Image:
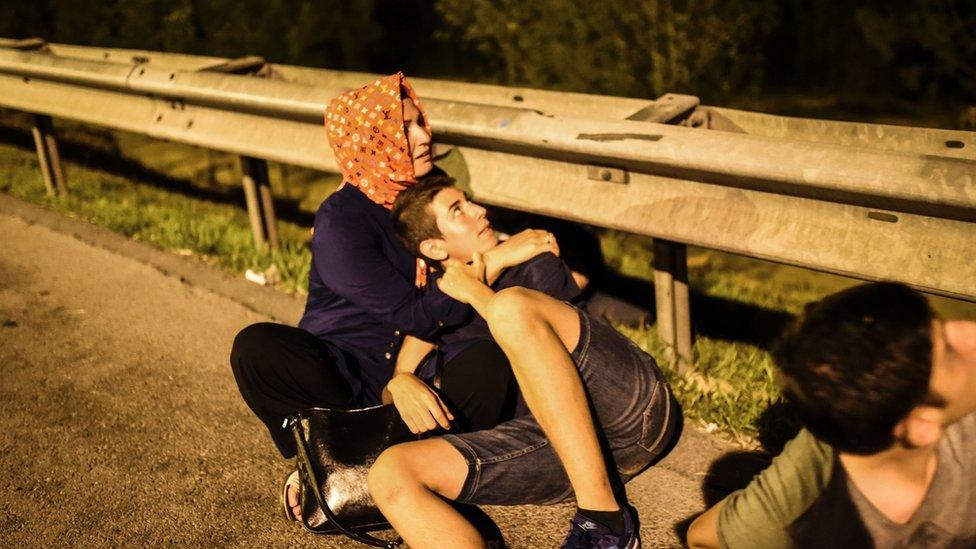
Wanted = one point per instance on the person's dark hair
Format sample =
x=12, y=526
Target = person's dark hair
x=413, y=220
x=856, y=362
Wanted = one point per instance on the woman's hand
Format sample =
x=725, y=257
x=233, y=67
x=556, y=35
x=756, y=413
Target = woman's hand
x=465, y=282
x=518, y=249
x=419, y=406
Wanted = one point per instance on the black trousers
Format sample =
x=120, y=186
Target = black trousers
x=282, y=369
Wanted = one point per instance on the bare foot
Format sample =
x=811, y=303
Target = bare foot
x=292, y=506
x=291, y=496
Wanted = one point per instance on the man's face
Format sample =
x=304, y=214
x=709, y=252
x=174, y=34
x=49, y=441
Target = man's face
x=954, y=367
x=418, y=138
x=463, y=225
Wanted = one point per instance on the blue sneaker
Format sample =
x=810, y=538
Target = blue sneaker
x=586, y=534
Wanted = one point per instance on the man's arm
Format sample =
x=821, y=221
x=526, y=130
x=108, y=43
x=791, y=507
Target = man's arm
x=517, y=250
x=466, y=283
x=419, y=406
x=703, y=533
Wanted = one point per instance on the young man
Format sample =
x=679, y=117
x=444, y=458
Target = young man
x=565, y=363
x=886, y=391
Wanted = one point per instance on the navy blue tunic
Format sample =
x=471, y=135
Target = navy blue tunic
x=361, y=294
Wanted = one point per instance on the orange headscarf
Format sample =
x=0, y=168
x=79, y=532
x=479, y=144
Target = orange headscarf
x=365, y=129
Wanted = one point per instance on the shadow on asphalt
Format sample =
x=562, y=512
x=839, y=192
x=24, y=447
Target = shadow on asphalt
x=727, y=474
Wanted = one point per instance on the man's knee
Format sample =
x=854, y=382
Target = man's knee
x=389, y=475
x=510, y=312
x=406, y=467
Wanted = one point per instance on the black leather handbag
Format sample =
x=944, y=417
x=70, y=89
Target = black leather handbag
x=336, y=448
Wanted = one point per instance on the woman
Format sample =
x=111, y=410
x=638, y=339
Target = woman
x=366, y=291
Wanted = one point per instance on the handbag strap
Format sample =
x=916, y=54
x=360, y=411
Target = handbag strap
x=361, y=537
x=438, y=367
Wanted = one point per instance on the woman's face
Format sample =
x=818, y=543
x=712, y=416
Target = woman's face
x=418, y=138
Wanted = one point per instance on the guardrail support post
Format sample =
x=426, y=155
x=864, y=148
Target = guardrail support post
x=671, y=297
x=47, y=154
x=260, y=207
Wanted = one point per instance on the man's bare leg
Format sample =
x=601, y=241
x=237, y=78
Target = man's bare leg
x=406, y=482
x=535, y=332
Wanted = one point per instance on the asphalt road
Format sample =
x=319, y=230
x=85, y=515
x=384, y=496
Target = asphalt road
x=120, y=423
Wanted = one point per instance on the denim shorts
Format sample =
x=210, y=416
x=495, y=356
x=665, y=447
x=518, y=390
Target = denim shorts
x=514, y=464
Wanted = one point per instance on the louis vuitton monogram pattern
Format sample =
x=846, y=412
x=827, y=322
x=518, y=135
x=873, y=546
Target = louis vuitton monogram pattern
x=365, y=129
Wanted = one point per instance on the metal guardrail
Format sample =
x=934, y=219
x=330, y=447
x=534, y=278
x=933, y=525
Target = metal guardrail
x=862, y=200
x=575, y=105
x=902, y=181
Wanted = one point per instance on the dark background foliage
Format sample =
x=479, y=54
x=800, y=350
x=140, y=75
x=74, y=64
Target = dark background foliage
x=722, y=50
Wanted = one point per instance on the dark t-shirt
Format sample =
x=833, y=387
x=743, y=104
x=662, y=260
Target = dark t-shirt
x=545, y=273
x=805, y=499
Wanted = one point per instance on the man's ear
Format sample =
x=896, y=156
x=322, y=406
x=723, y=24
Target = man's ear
x=921, y=427
x=434, y=248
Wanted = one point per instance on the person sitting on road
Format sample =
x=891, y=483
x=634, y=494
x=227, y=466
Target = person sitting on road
x=886, y=391
x=564, y=362
x=365, y=291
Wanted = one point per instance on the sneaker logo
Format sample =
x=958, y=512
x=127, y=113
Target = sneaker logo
x=589, y=525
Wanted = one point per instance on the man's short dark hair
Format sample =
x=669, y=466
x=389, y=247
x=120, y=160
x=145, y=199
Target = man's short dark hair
x=857, y=362
x=413, y=220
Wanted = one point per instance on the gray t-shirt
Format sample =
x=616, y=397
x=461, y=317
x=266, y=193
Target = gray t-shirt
x=805, y=499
